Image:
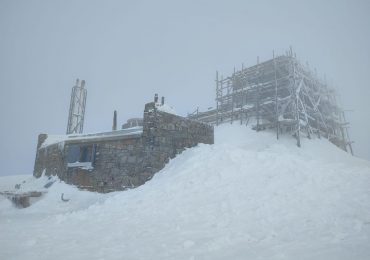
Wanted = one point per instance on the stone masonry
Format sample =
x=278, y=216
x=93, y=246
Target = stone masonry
x=124, y=161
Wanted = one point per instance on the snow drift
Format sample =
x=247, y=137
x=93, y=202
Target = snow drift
x=247, y=196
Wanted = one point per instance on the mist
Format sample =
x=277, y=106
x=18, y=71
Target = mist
x=128, y=50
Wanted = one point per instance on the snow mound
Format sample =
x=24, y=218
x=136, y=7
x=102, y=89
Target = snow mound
x=166, y=108
x=248, y=196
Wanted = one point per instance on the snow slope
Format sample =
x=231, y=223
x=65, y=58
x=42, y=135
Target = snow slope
x=246, y=197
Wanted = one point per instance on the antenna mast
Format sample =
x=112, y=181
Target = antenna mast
x=77, y=108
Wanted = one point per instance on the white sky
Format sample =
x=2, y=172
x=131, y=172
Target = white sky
x=129, y=50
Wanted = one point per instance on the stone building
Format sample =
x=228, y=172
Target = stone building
x=120, y=159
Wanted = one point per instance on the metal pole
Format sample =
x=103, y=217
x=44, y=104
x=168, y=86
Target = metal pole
x=258, y=96
x=114, y=127
x=217, y=99
x=298, y=130
x=276, y=99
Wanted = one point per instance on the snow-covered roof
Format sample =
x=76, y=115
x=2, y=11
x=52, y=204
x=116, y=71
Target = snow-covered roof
x=118, y=134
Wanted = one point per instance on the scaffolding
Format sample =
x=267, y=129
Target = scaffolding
x=280, y=94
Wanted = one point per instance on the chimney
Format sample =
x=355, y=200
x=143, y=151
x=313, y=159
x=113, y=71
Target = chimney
x=114, y=127
x=162, y=101
x=156, y=98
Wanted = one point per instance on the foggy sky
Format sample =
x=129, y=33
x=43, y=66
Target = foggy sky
x=129, y=50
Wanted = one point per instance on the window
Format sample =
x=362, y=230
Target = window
x=82, y=156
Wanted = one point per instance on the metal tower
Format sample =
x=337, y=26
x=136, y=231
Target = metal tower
x=77, y=108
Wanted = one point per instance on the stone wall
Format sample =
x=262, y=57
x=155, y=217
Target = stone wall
x=125, y=161
x=165, y=135
x=49, y=159
x=118, y=165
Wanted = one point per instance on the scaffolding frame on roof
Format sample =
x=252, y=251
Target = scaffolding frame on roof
x=280, y=94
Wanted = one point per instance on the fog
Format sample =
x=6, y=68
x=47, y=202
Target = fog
x=129, y=50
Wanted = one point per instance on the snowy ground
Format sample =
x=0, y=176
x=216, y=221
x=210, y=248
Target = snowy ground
x=246, y=197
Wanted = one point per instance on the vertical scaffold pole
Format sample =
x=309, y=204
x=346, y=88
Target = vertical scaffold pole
x=217, y=98
x=347, y=134
x=221, y=93
x=231, y=87
x=276, y=98
x=242, y=97
x=258, y=95
x=296, y=100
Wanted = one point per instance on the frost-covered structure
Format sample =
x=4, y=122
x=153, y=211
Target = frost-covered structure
x=76, y=115
x=120, y=159
x=280, y=94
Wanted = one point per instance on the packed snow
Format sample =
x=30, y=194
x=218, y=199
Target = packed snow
x=166, y=108
x=248, y=196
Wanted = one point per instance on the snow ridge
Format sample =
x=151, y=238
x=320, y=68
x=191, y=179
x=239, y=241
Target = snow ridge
x=248, y=196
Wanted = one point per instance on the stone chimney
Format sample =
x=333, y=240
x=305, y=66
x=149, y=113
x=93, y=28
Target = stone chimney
x=114, y=127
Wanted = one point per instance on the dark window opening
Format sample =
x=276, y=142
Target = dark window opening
x=81, y=154
x=86, y=154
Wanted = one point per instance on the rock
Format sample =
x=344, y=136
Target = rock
x=48, y=185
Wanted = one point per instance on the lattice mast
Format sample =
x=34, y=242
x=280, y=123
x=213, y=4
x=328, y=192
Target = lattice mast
x=77, y=108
